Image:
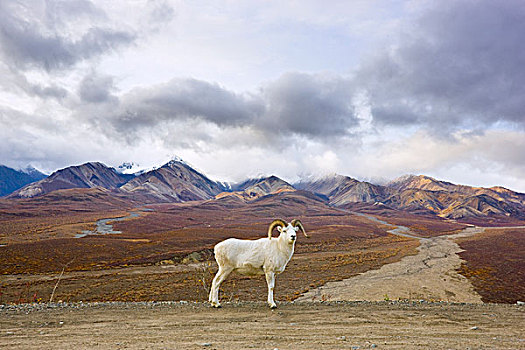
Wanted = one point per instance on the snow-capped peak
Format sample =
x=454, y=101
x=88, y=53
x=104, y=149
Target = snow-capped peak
x=177, y=159
x=132, y=168
x=31, y=170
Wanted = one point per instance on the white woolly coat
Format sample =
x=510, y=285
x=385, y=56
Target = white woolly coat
x=254, y=257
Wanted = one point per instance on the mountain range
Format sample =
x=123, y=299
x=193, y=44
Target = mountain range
x=176, y=181
x=88, y=175
x=11, y=179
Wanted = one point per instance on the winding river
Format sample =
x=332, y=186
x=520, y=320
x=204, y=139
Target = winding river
x=103, y=226
x=397, y=229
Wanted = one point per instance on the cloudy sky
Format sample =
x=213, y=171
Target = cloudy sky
x=369, y=89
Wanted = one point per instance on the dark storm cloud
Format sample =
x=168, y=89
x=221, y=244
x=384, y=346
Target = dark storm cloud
x=395, y=114
x=183, y=99
x=49, y=91
x=457, y=66
x=16, y=82
x=295, y=104
x=12, y=119
x=460, y=65
x=96, y=88
x=29, y=36
x=311, y=105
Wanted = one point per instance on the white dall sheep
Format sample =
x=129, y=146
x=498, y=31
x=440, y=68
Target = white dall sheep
x=267, y=256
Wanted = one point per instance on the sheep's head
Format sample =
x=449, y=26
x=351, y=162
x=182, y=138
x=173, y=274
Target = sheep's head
x=288, y=231
x=299, y=226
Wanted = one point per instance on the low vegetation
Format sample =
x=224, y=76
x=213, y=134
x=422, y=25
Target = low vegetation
x=152, y=258
x=495, y=264
x=149, y=260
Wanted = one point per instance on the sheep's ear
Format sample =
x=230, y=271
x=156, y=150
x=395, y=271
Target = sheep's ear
x=280, y=229
x=296, y=228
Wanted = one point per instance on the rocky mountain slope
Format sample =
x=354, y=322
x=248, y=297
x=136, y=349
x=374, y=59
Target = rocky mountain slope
x=252, y=189
x=341, y=190
x=428, y=183
x=88, y=175
x=11, y=179
x=421, y=194
x=255, y=188
x=175, y=181
x=454, y=201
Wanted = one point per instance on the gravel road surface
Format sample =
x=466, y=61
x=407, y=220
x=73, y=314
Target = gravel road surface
x=299, y=325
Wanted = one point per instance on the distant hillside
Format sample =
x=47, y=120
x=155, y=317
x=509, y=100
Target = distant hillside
x=454, y=201
x=341, y=190
x=252, y=189
x=175, y=181
x=428, y=183
x=88, y=175
x=422, y=194
x=255, y=188
x=421, y=182
x=11, y=179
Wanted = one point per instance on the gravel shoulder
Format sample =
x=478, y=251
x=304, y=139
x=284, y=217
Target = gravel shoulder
x=299, y=325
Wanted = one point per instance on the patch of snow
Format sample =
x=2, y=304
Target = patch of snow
x=132, y=168
x=30, y=170
x=226, y=185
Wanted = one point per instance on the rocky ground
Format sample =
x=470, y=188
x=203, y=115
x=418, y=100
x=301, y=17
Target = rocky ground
x=299, y=325
x=429, y=275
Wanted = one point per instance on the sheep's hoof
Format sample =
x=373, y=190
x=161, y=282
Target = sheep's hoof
x=273, y=306
x=216, y=305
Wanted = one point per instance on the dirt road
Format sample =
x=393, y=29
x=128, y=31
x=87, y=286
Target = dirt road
x=344, y=325
x=429, y=275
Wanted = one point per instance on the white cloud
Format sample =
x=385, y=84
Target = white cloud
x=486, y=159
x=327, y=163
x=240, y=88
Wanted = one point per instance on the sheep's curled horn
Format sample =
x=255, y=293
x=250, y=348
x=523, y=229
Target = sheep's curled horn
x=297, y=223
x=279, y=222
x=275, y=223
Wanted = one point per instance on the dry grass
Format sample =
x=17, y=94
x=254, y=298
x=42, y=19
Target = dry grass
x=495, y=264
x=341, y=246
x=189, y=281
x=126, y=266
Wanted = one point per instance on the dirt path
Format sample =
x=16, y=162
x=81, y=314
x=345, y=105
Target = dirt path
x=346, y=325
x=429, y=275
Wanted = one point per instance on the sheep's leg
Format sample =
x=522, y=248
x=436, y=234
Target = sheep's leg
x=270, y=280
x=217, y=280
